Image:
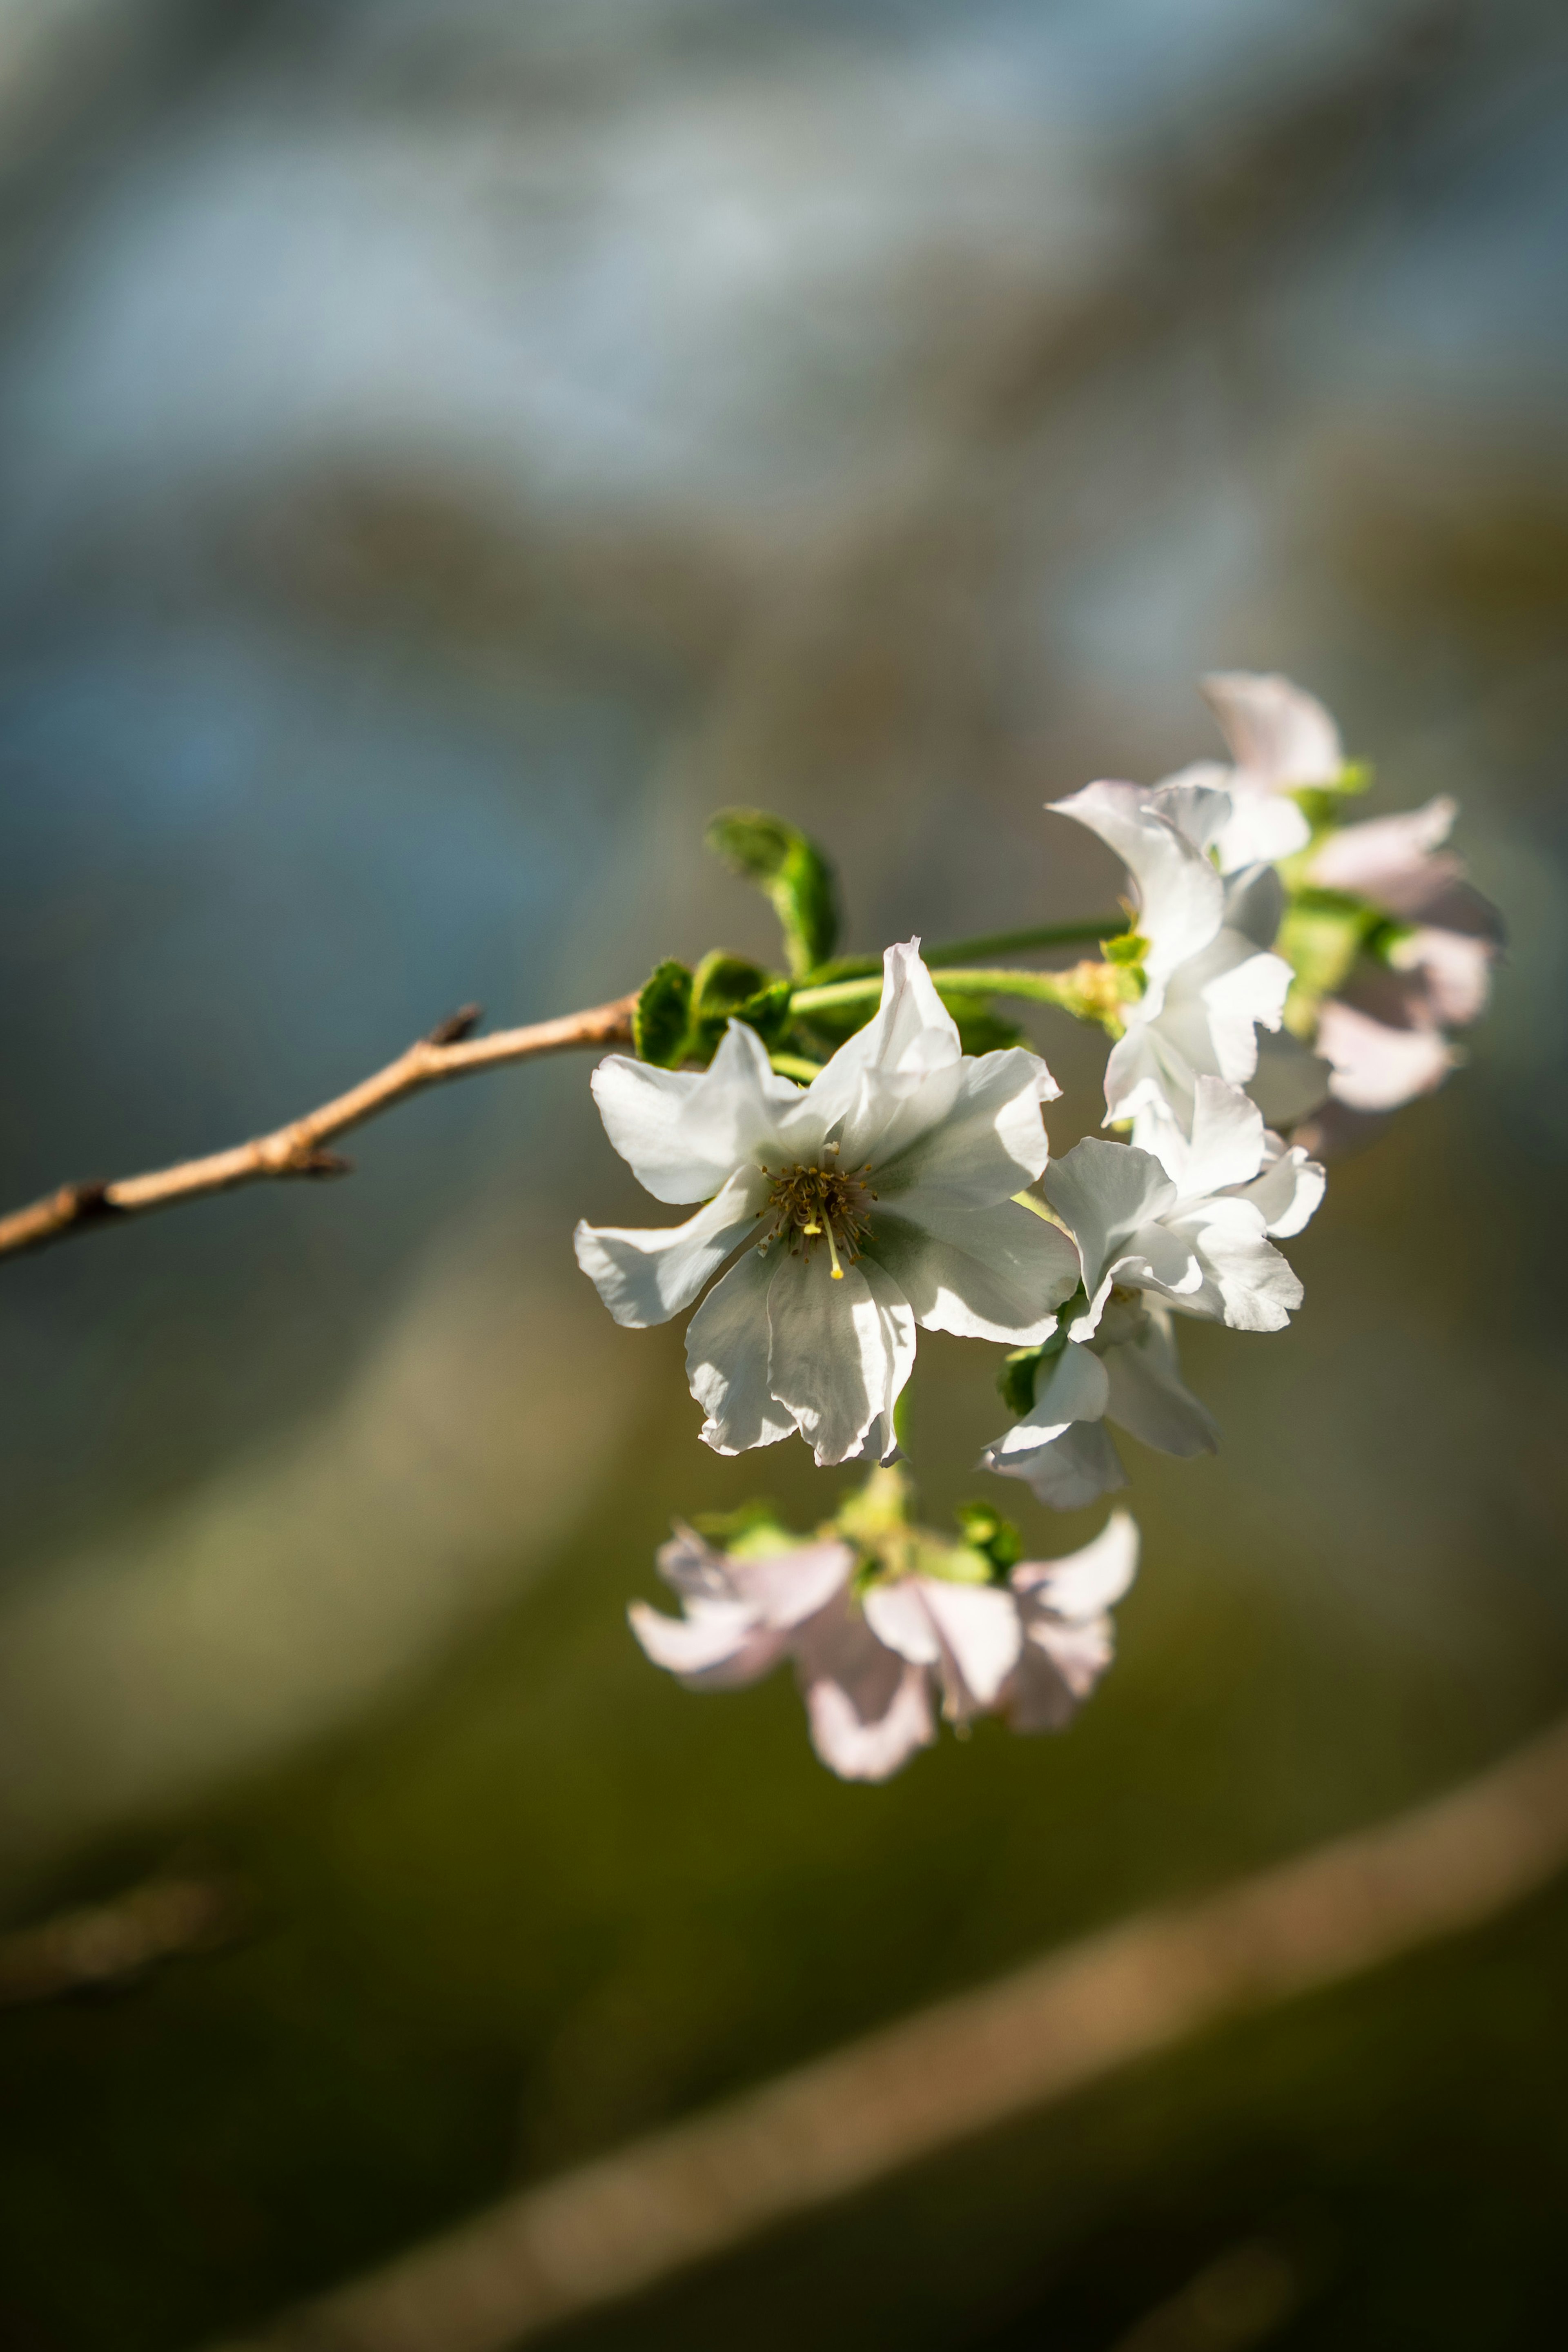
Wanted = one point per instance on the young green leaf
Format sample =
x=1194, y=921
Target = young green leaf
x=792, y=872
x=662, y=1021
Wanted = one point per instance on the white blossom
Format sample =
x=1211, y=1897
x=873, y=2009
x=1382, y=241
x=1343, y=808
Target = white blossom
x=1185, y=1226
x=1211, y=979
x=1281, y=738
x=872, y=1670
x=876, y=1198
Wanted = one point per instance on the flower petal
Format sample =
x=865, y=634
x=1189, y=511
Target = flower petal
x=1076, y=1468
x=868, y=1708
x=1279, y=735
x=683, y=1132
x=1148, y=1399
x=1180, y=895
x=985, y=1274
x=1375, y=1067
x=645, y=1277
x=1103, y=1191
x=1079, y=1586
x=785, y=1588
x=985, y=1142
x=980, y=1638
x=726, y=1361
x=720, y=1650
x=1069, y=1387
x=840, y=1350
x=910, y=1035
x=1391, y=860
x=1060, y=1667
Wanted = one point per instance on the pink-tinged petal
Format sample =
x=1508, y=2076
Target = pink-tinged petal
x=864, y=1741
x=1103, y=1191
x=1375, y=1067
x=1083, y=1584
x=1147, y=1397
x=1454, y=973
x=981, y=1637
x=645, y=1277
x=1076, y=1468
x=684, y=1132
x=840, y=1350
x=720, y=1650
x=1279, y=735
x=694, y=1568
x=726, y=1361
x=897, y=1616
x=785, y=1588
x=984, y=1273
x=1060, y=1667
x=1391, y=860
x=1180, y=895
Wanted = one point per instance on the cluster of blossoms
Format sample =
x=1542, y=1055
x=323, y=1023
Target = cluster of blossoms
x=1284, y=981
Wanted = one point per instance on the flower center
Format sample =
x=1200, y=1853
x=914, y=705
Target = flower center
x=819, y=1202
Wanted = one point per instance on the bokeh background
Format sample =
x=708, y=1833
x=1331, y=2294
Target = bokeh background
x=447, y=447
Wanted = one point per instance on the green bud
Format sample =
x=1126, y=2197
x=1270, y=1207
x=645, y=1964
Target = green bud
x=662, y=1021
x=754, y=1530
x=1127, y=948
x=794, y=873
x=987, y=1532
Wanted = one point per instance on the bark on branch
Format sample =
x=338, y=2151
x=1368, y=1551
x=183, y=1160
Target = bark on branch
x=450, y=1051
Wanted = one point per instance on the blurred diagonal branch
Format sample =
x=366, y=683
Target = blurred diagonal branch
x=620, y=2225
x=104, y=1944
x=299, y=1149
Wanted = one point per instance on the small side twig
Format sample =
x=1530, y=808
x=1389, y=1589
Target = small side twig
x=450, y=1051
x=105, y=1944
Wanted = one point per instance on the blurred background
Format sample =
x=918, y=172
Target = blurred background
x=447, y=448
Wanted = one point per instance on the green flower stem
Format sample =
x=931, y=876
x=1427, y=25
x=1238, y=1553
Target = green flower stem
x=1054, y=935
x=796, y=1066
x=1041, y=987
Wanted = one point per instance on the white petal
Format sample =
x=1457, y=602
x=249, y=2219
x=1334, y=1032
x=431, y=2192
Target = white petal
x=1227, y=1140
x=1068, y=1387
x=980, y=1638
x=1148, y=1401
x=646, y=1276
x=1375, y=1067
x=726, y=1361
x=1263, y=824
x=1455, y=973
x=911, y=1033
x=683, y=1132
x=718, y=1650
x=840, y=1350
x=1103, y=1191
x=1180, y=895
x=1081, y=1585
x=1289, y=1190
x=1278, y=734
x=1197, y=802
x=1391, y=859
x=1248, y=1283
x=1076, y=1468
x=987, y=1141
x=1255, y=904
x=984, y=1273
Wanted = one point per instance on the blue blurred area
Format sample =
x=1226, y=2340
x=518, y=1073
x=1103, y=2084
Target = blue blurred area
x=444, y=452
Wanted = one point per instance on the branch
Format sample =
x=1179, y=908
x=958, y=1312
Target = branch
x=298, y=1150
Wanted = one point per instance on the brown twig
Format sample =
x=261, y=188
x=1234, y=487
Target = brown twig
x=450, y=1051
x=627, y=2221
x=106, y=1944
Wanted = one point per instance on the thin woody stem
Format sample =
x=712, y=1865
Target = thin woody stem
x=299, y=1149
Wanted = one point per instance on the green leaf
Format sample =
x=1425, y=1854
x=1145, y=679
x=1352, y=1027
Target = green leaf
x=727, y=988
x=986, y=1532
x=662, y=1022
x=792, y=872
